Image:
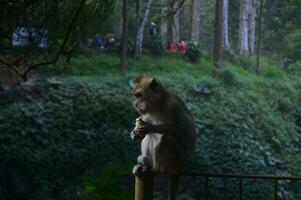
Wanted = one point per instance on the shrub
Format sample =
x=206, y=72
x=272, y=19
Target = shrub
x=193, y=53
x=61, y=132
x=107, y=184
x=293, y=46
x=157, y=47
x=130, y=50
x=229, y=77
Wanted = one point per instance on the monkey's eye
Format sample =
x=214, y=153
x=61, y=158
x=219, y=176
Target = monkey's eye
x=138, y=95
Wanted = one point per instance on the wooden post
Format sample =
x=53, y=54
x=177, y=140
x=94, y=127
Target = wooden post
x=239, y=189
x=275, y=189
x=144, y=187
x=206, y=190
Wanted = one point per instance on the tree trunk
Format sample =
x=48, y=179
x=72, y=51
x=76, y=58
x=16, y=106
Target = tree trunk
x=138, y=13
x=125, y=35
x=252, y=25
x=164, y=25
x=176, y=25
x=225, y=25
x=141, y=26
x=195, y=20
x=218, y=37
x=258, y=50
x=243, y=46
x=139, y=4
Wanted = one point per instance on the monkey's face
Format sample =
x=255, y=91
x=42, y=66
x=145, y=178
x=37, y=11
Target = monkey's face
x=147, y=95
x=140, y=103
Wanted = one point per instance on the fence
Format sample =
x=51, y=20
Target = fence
x=144, y=185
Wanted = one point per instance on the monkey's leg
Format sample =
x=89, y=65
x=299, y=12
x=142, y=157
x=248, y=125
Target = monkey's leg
x=173, y=186
x=144, y=165
x=144, y=161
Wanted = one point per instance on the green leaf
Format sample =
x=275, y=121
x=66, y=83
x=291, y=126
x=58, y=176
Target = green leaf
x=89, y=188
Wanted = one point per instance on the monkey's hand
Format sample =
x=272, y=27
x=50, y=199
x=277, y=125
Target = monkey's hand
x=142, y=128
x=135, y=135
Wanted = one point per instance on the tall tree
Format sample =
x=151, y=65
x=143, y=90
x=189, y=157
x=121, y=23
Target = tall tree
x=141, y=26
x=176, y=23
x=218, y=37
x=258, y=50
x=195, y=20
x=124, y=45
x=243, y=43
x=164, y=24
x=251, y=25
x=225, y=25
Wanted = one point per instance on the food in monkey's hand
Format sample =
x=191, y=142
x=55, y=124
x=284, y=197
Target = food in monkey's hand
x=136, y=134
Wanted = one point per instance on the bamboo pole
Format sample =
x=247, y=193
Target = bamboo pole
x=144, y=187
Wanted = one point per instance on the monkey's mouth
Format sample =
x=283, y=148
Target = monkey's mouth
x=141, y=111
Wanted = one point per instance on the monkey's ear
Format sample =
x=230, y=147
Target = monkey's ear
x=154, y=84
x=138, y=79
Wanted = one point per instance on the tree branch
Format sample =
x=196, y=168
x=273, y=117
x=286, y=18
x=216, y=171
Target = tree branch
x=61, y=50
x=10, y=66
x=172, y=9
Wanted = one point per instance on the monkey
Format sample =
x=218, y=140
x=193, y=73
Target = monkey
x=165, y=128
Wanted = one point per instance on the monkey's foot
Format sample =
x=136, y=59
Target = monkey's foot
x=145, y=161
x=140, y=170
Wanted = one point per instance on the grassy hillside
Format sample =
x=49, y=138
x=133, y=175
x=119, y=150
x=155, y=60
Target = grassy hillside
x=99, y=63
x=80, y=119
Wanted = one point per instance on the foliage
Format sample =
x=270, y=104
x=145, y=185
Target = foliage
x=47, y=132
x=156, y=47
x=229, y=77
x=293, y=46
x=193, y=53
x=106, y=185
x=283, y=20
x=130, y=50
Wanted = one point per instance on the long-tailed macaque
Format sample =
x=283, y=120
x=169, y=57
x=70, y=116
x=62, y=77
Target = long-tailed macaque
x=166, y=130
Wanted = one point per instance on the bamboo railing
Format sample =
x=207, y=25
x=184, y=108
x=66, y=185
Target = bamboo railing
x=144, y=185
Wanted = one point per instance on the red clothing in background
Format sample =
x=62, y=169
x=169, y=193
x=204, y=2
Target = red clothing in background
x=182, y=46
x=171, y=47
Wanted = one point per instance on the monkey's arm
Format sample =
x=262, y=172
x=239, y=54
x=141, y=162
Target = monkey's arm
x=172, y=130
x=168, y=129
